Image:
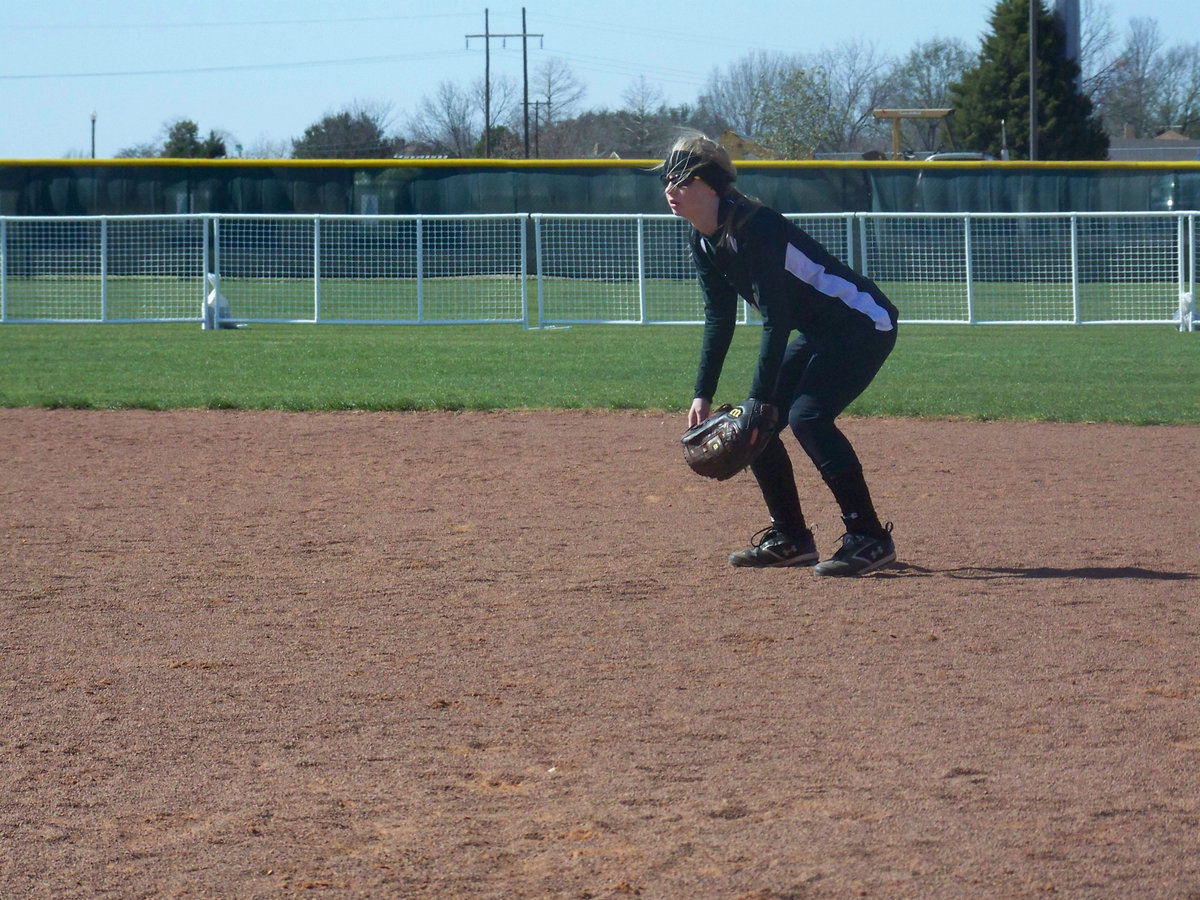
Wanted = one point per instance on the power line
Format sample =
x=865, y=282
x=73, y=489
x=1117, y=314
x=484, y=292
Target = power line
x=676, y=75
x=247, y=67
x=157, y=26
x=674, y=35
x=487, y=77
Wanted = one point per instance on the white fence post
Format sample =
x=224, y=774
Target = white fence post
x=1187, y=279
x=641, y=268
x=524, y=273
x=420, y=270
x=1078, y=313
x=103, y=269
x=537, y=262
x=968, y=262
x=316, y=268
x=207, y=265
x=3, y=270
x=1193, y=247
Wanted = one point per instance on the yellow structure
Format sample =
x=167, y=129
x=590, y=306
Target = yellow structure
x=898, y=115
x=739, y=147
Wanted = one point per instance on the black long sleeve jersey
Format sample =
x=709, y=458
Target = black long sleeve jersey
x=793, y=281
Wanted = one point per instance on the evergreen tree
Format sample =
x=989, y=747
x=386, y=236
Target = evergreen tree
x=996, y=91
x=351, y=133
x=184, y=142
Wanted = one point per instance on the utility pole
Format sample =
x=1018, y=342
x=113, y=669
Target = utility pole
x=487, y=83
x=525, y=78
x=537, y=129
x=1033, y=104
x=487, y=36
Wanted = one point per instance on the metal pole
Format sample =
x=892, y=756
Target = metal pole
x=93, y=135
x=1033, y=104
x=487, y=88
x=487, y=101
x=525, y=64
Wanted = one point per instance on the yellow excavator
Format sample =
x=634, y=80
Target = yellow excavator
x=739, y=147
x=898, y=115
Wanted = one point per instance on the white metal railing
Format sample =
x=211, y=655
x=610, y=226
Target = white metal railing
x=1034, y=268
x=330, y=269
x=225, y=269
x=938, y=268
x=600, y=268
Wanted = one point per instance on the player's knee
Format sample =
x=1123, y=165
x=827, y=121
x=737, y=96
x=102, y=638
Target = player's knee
x=817, y=433
x=805, y=421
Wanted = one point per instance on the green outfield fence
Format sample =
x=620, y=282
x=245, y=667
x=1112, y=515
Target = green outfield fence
x=550, y=269
x=123, y=187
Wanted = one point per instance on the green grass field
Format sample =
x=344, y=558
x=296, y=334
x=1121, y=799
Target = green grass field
x=1115, y=373
x=498, y=298
x=279, y=299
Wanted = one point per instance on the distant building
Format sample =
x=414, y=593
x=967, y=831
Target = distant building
x=1170, y=146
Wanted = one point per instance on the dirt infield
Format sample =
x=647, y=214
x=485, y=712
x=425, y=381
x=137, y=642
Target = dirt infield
x=502, y=655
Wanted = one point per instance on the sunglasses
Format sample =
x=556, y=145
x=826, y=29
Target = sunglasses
x=677, y=180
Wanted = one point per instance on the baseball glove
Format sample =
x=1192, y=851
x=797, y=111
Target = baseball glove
x=730, y=439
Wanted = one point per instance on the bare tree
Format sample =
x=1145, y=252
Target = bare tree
x=1129, y=101
x=741, y=98
x=1097, y=49
x=556, y=90
x=266, y=148
x=642, y=119
x=554, y=93
x=1143, y=86
x=501, y=104
x=505, y=98
x=800, y=120
x=852, y=74
x=797, y=105
x=448, y=121
x=589, y=135
x=139, y=151
x=1179, y=98
x=921, y=80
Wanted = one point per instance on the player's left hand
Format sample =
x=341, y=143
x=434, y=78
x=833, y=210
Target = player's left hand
x=731, y=439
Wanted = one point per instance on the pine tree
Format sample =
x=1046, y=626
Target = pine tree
x=351, y=133
x=184, y=142
x=992, y=99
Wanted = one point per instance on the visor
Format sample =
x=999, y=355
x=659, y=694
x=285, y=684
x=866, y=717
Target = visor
x=683, y=164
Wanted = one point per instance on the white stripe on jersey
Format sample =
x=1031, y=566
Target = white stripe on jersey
x=814, y=273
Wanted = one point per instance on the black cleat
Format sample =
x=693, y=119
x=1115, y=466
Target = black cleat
x=773, y=548
x=860, y=554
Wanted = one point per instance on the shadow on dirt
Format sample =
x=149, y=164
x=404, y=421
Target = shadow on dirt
x=1088, y=573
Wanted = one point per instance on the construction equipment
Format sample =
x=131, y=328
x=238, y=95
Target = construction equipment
x=898, y=115
x=739, y=147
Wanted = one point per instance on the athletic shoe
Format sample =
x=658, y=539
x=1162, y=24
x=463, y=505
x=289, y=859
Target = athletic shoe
x=772, y=548
x=860, y=554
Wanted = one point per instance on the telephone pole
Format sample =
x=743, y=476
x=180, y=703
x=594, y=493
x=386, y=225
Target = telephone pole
x=487, y=36
x=1033, y=75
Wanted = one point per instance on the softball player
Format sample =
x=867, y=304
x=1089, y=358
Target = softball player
x=844, y=330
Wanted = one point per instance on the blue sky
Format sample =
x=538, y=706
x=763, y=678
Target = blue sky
x=264, y=71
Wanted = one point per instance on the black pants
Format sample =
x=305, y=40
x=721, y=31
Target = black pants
x=817, y=381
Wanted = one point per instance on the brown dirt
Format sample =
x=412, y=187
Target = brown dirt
x=502, y=655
